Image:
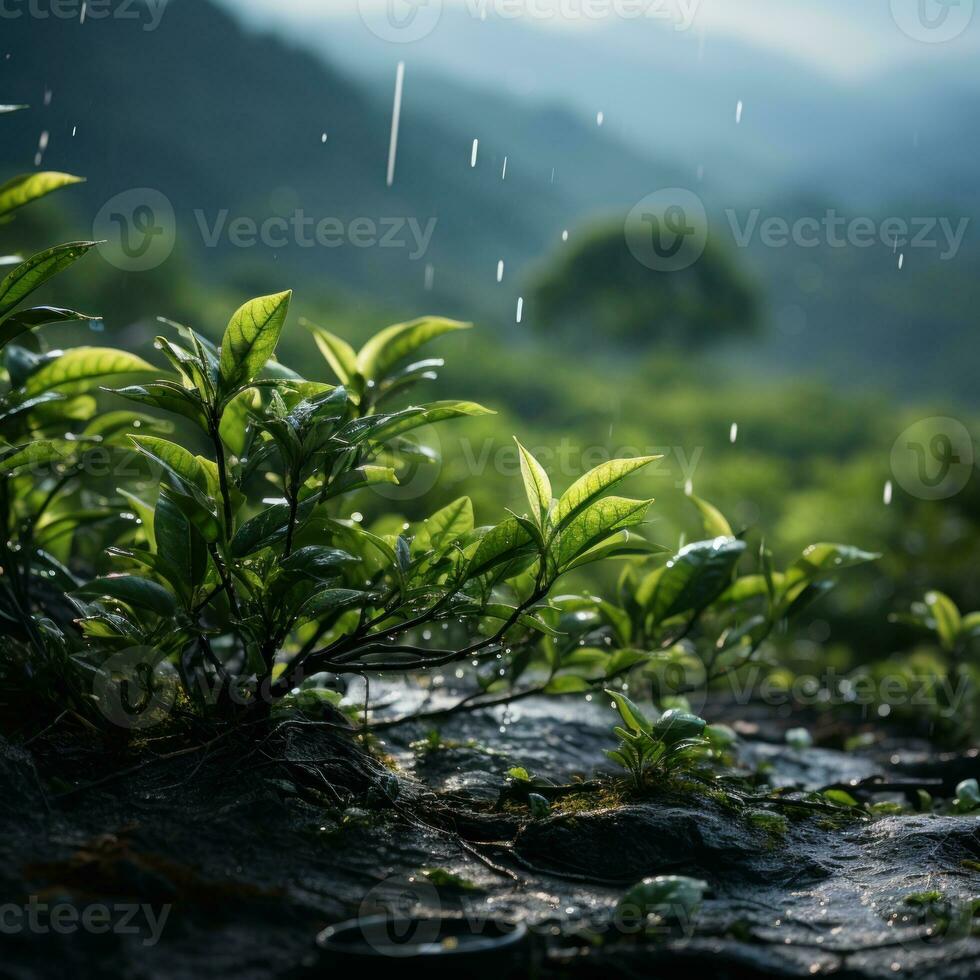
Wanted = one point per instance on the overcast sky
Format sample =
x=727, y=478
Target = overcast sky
x=838, y=36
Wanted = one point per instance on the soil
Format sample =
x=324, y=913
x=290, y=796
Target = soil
x=250, y=846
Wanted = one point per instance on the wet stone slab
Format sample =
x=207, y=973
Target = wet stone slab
x=253, y=866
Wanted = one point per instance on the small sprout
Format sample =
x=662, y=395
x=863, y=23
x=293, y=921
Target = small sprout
x=799, y=739
x=441, y=878
x=669, y=897
x=967, y=796
x=519, y=774
x=886, y=808
x=773, y=823
x=720, y=736
x=924, y=898
x=675, y=726
x=841, y=797
x=540, y=807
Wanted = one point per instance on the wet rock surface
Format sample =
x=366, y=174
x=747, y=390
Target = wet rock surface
x=252, y=859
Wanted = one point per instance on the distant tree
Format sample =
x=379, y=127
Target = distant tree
x=603, y=287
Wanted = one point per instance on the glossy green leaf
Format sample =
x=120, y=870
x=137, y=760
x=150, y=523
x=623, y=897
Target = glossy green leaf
x=947, y=618
x=506, y=541
x=438, y=532
x=179, y=544
x=595, y=483
x=141, y=593
x=632, y=716
x=695, y=577
x=251, y=338
x=537, y=486
x=596, y=522
x=715, y=524
x=39, y=453
x=337, y=353
x=23, y=279
x=81, y=367
x=391, y=345
x=21, y=190
x=169, y=397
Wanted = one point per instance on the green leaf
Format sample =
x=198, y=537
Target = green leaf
x=331, y=601
x=695, y=577
x=592, y=525
x=141, y=593
x=358, y=479
x=38, y=316
x=403, y=422
x=338, y=353
x=596, y=482
x=567, y=684
x=947, y=618
x=971, y=624
x=177, y=461
x=822, y=558
x=251, y=338
x=189, y=477
x=633, y=718
x=38, y=453
x=169, y=397
x=79, y=368
x=438, y=532
x=537, y=486
x=715, y=524
x=506, y=541
x=25, y=188
x=37, y=270
x=388, y=347
x=179, y=544
x=267, y=527
x=143, y=511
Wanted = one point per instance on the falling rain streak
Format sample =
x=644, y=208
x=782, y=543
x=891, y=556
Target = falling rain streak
x=396, y=115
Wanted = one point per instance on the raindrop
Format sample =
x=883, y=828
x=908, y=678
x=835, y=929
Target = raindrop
x=357, y=517
x=430, y=276
x=901, y=260
x=733, y=433
x=738, y=112
x=474, y=152
x=396, y=113
x=323, y=137
x=564, y=235
x=500, y=270
x=520, y=308
x=888, y=493
x=503, y=173
x=600, y=118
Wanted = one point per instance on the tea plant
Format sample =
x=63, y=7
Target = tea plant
x=668, y=745
x=248, y=595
